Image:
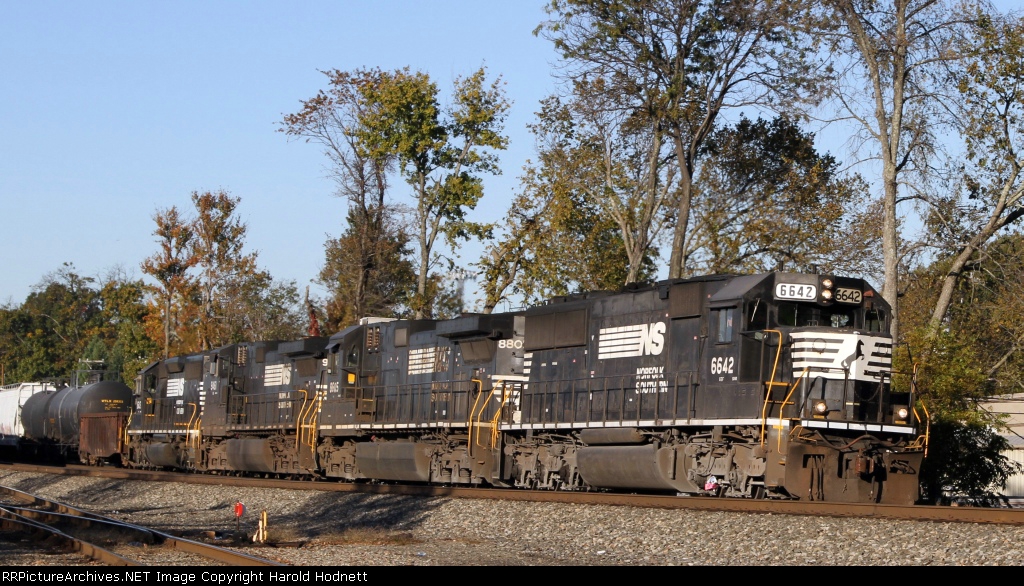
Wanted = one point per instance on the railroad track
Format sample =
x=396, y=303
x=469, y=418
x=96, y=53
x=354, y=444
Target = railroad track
x=108, y=541
x=1001, y=516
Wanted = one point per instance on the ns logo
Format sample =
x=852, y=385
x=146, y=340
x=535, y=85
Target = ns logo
x=631, y=341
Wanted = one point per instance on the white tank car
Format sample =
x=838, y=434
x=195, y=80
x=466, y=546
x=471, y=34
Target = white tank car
x=12, y=398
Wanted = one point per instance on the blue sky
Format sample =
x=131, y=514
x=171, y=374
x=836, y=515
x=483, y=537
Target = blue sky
x=110, y=110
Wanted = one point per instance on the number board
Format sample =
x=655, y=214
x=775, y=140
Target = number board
x=796, y=291
x=849, y=295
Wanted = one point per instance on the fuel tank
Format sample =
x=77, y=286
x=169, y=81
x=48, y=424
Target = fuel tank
x=646, y=466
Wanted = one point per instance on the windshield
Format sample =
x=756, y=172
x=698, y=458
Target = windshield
x=807, y=314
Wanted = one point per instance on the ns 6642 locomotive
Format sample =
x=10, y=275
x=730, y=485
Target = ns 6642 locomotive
x=775, y=385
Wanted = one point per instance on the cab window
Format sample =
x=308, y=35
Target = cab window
x=757, y=315
x=724, y=320
x=874, y=320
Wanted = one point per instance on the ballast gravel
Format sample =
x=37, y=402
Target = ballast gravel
x=310, y=528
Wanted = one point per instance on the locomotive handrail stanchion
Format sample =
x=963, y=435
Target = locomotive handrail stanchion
x=785, y=401
x=927, y=425
x=480, y=414
x=479, y=393
x=300, y=420
x=770, y=385
x=188, y=428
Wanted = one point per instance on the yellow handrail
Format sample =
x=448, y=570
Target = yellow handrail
x=298, y=420
x=927, y=425
x=495, y=432
x=479, y=393
x=127, y=425
x=770, y=383
x=786, y=400
x=191, y=418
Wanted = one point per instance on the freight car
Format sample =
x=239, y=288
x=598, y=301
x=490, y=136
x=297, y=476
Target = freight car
x=53, y=421
x=776, y=385
x=12, y=398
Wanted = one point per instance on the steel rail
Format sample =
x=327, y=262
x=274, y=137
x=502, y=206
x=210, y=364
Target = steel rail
x=53, y=511
x=952, y=514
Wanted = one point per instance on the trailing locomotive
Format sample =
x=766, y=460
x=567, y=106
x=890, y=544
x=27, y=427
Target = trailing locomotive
x=776, y=385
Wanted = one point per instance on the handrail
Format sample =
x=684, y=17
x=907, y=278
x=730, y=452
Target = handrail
x=770, y=383
x=782, y=407
x=315, y=414
x=927, y=425
x=506, y=394
x=188, y=426
x=298, y=420
x=127, y=426
x=479, y=393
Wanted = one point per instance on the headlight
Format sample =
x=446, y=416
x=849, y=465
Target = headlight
x=902, y=413
x=826, y=294
x=826, y=283
x=820, y=408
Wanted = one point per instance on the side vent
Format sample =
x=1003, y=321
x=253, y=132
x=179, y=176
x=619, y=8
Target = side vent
x=556, y=330
x=686, y=300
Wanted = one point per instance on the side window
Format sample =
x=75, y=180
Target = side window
x=875, y=320
x=724, y=320
x=757, y=315
x=352, y=358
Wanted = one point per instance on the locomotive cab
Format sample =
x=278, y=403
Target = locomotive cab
x=825, y=337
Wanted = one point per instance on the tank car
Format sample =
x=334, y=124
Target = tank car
x=52, y=419
x=12, y=399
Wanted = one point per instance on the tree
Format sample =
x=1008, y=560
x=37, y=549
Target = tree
x=440, y=155
x=607, y=150
x=366, y=270
x=128, y=348
x=974, y=356
x=367, y=276
x=769, y=201
x=49, y=333
x=688, y=62
x=559, y=240
x=991, y=120
x=217, y=247
x=257, y=307
x=891, y=88
x=965, y=459
x=169, y=267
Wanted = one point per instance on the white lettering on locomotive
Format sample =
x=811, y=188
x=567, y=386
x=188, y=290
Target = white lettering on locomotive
x=722, y=365
x=421, y=360
x=796, y=291
x=277, y=374
x=651, y=379
x=631, y=341
x=175, y=387
x=511, y=344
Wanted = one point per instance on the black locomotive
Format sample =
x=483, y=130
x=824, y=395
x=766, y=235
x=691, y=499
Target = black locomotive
x=775, y=385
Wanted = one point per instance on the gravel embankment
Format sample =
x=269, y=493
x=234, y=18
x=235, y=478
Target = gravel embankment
x=342, y=529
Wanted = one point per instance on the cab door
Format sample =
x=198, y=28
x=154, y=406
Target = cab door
x=721, y=362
